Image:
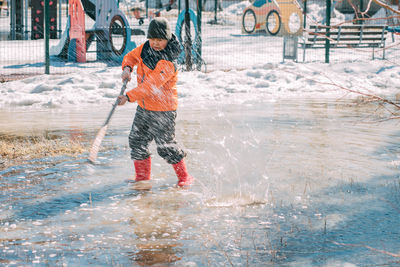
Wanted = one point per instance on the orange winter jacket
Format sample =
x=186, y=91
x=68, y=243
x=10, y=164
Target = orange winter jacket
x=156, y=76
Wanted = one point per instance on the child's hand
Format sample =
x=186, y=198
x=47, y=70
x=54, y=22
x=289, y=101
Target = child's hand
x=126, y=74
x=122, y=100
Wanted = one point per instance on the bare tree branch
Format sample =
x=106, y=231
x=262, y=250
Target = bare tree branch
x=384, y=5
x=371, y=96
x=376, y=97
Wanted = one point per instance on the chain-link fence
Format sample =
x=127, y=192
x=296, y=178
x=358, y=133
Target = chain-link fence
x=109, y=29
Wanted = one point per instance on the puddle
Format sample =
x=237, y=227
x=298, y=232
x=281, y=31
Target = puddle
x=300, y=183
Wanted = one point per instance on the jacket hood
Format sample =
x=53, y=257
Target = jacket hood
x=173, y=47
x=170, y=53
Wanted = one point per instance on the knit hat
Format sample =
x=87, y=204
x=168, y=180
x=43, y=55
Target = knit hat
x=159, y=28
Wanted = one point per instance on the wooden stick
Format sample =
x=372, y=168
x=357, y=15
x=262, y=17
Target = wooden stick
x=94, y=150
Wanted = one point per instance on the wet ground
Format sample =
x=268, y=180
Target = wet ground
x=291, y=183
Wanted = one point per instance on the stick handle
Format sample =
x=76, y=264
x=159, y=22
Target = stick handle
x=115, y=103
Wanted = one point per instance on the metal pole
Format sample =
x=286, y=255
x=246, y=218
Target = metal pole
x=26, y=19
x=361, y=10
x=328, y=24
x=305, y=14
x=13, y=19
x=188, y=38
x=215, y=11
x=23, y=18
x=18, y=19
x=199, y=41
x=59, y=19
x=47, y=36
x=179, y=7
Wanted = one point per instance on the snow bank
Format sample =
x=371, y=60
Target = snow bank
x=262, y=82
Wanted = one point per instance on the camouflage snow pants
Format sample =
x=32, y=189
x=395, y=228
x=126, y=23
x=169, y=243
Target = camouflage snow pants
x=158, y=126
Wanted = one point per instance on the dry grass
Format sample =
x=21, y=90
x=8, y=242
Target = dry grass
x=16, y=149
x=12, y=77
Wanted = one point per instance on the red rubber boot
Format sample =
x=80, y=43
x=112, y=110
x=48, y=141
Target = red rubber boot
x=143, y=169
x=184, y=179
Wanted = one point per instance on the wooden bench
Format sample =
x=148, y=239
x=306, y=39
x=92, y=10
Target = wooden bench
x=345, y=36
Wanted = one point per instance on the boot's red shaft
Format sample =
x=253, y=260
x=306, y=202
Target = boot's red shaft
x=184, y=179
x=143, y=169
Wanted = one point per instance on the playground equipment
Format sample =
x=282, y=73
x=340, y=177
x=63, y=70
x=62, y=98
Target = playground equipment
x=191, y=51
x=179, y=29
x=276, y=17
x=37, y=19
x=77, y=34
x=111, y=32
x=19, y=19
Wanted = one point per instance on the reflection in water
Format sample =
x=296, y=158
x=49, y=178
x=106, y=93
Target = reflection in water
x=276, y=183
x=157, y=225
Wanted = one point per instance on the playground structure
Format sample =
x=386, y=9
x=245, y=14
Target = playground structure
x=110, y=33
x=111, y=30
x=37, y=19
x=110, y=26
x=180, y=31
x=77, y=33
x=276, y=17
x=18, y=11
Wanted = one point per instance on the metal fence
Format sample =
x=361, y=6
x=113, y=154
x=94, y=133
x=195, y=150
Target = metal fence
x=225, y=25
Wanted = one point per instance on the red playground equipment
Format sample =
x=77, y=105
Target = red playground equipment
x=77, y=32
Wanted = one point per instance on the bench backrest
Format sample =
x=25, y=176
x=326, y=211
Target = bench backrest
x=348, y=35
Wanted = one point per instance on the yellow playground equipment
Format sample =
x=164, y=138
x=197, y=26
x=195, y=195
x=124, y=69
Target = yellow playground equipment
x=276, y=17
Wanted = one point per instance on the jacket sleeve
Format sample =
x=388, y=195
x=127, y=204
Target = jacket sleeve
x=132, y=58
x=153, y=81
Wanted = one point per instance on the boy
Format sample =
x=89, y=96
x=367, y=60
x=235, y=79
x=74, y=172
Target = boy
x=157, y=99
